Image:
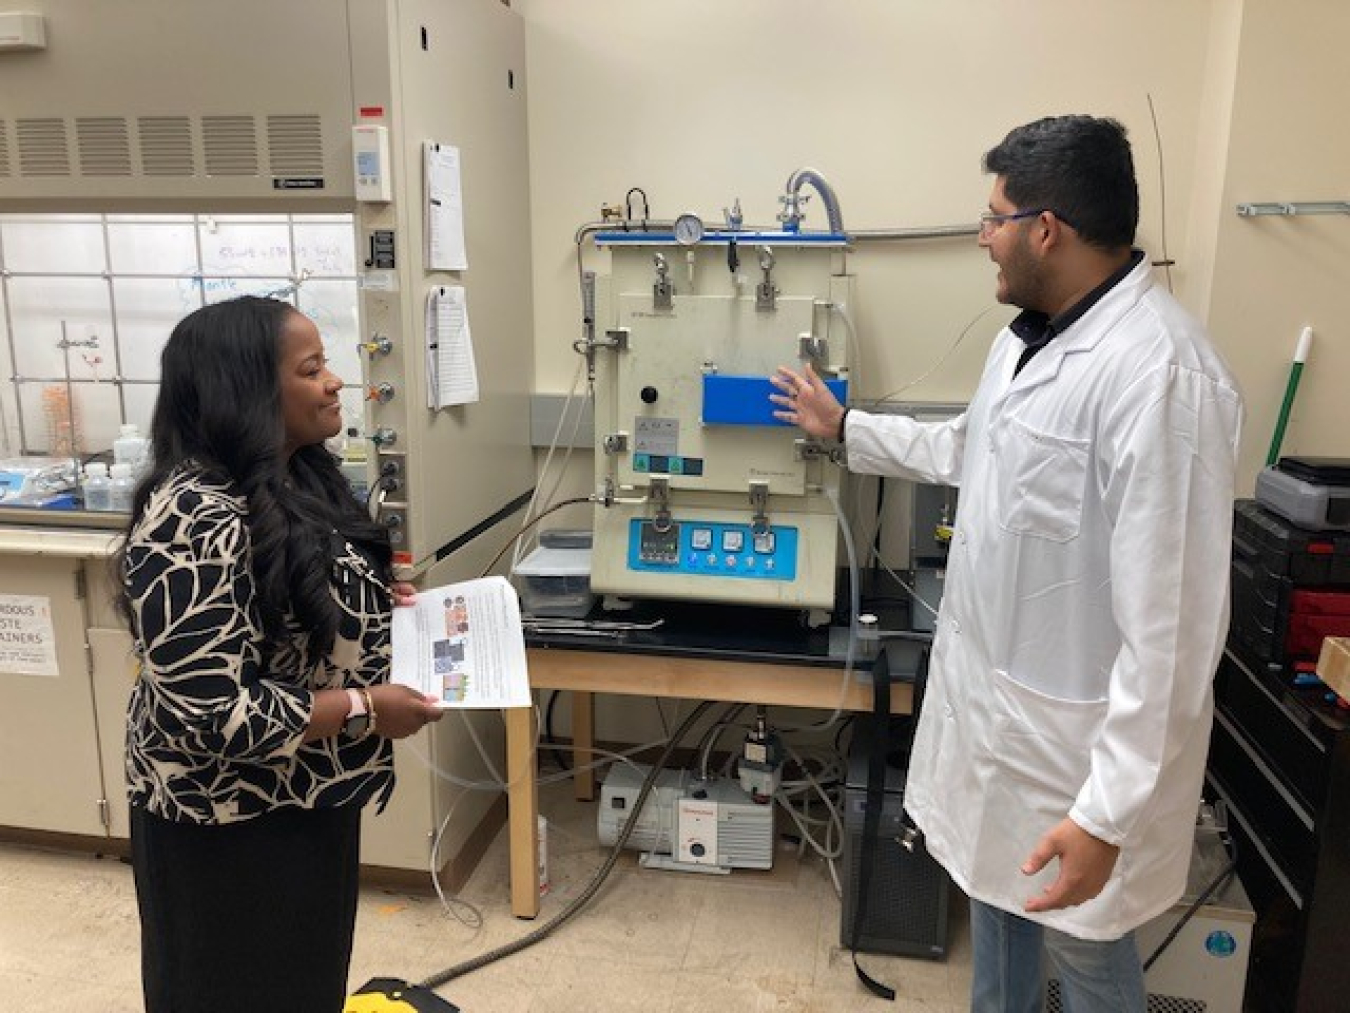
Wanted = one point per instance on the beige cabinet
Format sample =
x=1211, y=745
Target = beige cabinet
x=63, y=719
x=53, y=761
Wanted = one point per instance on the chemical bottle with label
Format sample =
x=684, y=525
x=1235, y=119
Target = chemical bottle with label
x=97, y=487
x=131, y=448
x=123, y=487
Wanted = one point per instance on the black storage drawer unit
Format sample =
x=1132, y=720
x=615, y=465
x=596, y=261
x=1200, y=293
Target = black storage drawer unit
x=1296, y=744
x=1280, y=758
x=1271, y=559
x=1284, y=826
x=1280, y=548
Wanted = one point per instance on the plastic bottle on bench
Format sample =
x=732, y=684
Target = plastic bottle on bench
x=97, y=487
x=131, y=448
x=123, y=487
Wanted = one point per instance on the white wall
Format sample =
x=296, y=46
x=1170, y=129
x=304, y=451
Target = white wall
x=1272, y=276
x=894, y=101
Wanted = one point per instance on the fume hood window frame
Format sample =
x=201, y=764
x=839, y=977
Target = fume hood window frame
x=126, y=279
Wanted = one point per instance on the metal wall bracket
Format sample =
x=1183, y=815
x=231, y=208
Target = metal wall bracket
x=1316, y=207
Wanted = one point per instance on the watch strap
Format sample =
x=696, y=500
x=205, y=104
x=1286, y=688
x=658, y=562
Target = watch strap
x=369, y=701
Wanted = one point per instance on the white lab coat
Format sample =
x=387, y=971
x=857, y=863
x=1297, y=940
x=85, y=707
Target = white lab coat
x=1086, y=602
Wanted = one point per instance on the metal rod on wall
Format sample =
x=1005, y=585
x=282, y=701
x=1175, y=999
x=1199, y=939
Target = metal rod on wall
x=1318, y=207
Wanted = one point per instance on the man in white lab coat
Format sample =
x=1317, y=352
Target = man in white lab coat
x=1058, y=763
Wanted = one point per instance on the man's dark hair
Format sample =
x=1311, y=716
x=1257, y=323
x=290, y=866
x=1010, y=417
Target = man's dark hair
x=219, y=407
x=1079, y=167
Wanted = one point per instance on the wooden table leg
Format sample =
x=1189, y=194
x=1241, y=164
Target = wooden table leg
x=523, y=818
x=583, y=738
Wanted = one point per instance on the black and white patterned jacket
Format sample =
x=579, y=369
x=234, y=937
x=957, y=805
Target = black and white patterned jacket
x=216, y=721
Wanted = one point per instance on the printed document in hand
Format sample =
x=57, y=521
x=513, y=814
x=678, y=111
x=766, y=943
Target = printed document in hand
x=464, y=645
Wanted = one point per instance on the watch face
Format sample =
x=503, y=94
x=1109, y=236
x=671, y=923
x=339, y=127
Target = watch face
x=356, y=725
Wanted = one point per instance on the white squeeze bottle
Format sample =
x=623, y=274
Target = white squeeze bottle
x=97, y=487
x=123, y=487
x=130, y=448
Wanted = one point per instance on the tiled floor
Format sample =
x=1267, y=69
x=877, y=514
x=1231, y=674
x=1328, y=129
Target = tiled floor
x=658, y=942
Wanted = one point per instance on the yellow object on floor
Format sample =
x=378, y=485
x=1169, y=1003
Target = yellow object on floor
x=393, y=995
x=1333, y=665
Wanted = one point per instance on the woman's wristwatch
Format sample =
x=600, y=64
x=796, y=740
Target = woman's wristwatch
x=360, y=714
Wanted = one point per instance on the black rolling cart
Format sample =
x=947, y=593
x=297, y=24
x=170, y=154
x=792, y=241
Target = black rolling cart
x=1280, y=759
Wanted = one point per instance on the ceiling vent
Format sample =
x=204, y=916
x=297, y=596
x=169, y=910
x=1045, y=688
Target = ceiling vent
x=42, y=147
x=103, y=145
x=166, y=145
x=231, y=145
x=295, y=145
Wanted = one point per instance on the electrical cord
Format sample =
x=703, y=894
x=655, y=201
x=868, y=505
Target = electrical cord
x=1162, y=194
x=538, y=493
x=913, y=594
x=375, y=499
x=449, y=778
x=558, y=757
x=473, y=917
x=855, y=604
x=944, y=357
x=559, y=751
x=709, y=741
x=1219, y=882
x=482, y=752
x=582, y=899
x=459, y=909
x=834, y=824
x=529, y=524
x=844, y=726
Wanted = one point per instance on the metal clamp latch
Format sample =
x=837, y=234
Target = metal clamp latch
x=662, y=292
x=766, y=292
x=659, y=494
x=759, y=503
x=808, y=450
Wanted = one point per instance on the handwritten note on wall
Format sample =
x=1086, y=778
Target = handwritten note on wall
x=452, y=376
x=444, y=200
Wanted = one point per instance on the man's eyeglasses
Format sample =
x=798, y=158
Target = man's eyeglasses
x=990, y=222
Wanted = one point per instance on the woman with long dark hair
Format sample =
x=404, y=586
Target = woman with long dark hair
x=259, y=595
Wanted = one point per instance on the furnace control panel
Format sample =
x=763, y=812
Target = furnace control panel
x=713, y=549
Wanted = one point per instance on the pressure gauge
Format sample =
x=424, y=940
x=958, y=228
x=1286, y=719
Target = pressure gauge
x=688, y=229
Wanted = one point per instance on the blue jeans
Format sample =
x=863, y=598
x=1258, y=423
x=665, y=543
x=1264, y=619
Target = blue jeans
x=1008, y=956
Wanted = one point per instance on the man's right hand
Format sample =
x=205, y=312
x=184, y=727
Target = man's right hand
x=806, y=402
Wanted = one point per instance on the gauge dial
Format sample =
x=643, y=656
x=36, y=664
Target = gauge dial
x=688, y=229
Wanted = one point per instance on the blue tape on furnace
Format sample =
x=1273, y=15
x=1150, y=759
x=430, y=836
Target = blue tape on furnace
x=744, y=400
